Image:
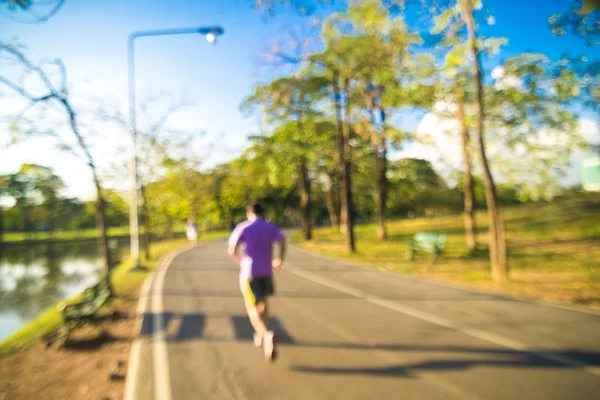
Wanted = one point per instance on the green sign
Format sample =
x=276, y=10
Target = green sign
x=590, y=174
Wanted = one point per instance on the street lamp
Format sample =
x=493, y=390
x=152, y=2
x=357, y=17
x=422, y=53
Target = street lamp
x=211, y=33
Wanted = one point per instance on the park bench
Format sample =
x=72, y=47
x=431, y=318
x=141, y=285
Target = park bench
x=428, y=242
x=85, y=310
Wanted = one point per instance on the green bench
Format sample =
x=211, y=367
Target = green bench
x=85, y=310
x=428, y=242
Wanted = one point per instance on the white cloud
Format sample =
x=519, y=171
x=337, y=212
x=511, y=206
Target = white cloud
x=441, y=146
x=504, y=81
x=590, y=131
x=439, y=143
x=498, y=72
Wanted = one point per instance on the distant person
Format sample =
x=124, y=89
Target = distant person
x=256, y=271
x=191, y=231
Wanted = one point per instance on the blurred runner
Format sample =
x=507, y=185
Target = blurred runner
x=256, y=271
x=191, y=231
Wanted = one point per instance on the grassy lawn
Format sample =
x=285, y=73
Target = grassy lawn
x=125, y=283
x=14, y=237
x=554, y=250
x=211, y=235
x=62, y=235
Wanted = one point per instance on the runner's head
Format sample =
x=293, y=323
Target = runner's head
x=254, y=211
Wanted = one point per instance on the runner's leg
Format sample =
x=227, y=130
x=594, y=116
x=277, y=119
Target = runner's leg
x=251, y=307
x=263, y=311
x=256, y=319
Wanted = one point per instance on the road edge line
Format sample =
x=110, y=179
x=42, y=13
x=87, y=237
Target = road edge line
x=134, y=353
x=160, y=354
x=457, y=286
x=446, y=323
x=131, y=379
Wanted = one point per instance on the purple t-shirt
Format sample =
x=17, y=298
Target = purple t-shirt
x=258, y=236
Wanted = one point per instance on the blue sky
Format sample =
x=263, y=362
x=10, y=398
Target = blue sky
x=90, y=37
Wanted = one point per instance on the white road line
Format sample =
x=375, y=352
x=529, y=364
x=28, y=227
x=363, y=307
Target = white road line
x=132, y=370
x=131, y=383
x=449, y=285
x=136, y=346
x=434, y=380
x=160, y=356
x=446, y=323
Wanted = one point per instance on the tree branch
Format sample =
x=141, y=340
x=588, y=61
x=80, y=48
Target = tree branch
x=24, y=93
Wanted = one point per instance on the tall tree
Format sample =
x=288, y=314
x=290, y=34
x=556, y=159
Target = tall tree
x=455, y=91
x=469, y=195
x=294, y=100
x=157, y=145
x=326, y=170
x=328, y=66
x=390, y=78
x=57, y=94
x=497, y=238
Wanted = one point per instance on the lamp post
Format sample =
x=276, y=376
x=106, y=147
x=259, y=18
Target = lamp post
x=211, y=33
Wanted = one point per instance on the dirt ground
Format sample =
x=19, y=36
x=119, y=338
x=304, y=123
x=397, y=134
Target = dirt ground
x=91, y=365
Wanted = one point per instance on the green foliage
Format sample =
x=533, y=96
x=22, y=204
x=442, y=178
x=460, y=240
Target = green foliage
x=372, y=62
x=531, y=115
x=582, y=19
x=39, y=204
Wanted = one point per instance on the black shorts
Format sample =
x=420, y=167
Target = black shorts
x=257, y=289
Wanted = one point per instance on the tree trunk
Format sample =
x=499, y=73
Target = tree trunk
x=346, y=183
x=170, y=234
x=52, y=222
x=496, y=229
x=304, y=191
x=336, y=197
x=146, y=222
x=331, y=203
x=102, y=227
x=100, y=212
x=27, y=222
x=469, y=197
x=340, y=159
x=1, y=226
x=382, y=186
x=380, y=152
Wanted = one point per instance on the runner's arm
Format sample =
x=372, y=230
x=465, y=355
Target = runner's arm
x=283, y=245
x=235, y=240
x=233, y=252
x=278, y=262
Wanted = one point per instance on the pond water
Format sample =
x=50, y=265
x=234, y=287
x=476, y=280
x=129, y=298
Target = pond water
x=36, y=276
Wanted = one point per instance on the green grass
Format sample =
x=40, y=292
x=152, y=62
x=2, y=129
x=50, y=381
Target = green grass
x=15, y=237
x=210, y=235
x=9, y=237
x=125, y=283
x=554, y=250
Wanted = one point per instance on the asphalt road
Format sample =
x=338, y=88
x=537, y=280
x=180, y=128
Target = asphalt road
x=348, y=332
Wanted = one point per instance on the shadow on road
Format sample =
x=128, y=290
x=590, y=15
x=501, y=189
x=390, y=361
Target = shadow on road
x=191, y=327
x=467, y=296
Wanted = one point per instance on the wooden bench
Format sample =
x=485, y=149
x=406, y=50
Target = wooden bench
x=85, y=310
x=428, y=242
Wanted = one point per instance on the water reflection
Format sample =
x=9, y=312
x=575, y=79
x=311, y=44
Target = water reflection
x=33, y=277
